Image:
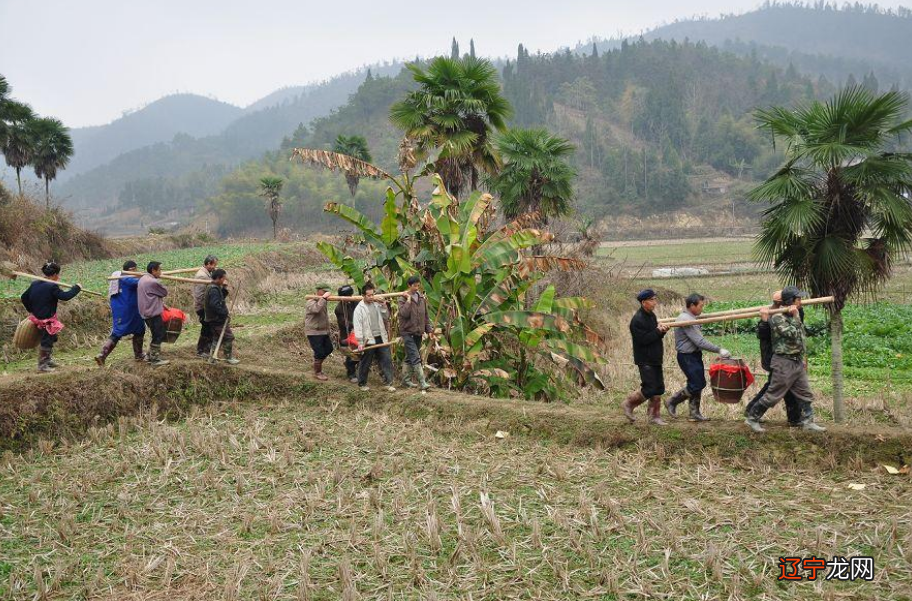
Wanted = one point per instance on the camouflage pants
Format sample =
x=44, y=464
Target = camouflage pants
x=788, y=375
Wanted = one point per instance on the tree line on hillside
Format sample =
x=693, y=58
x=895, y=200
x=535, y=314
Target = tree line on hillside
x=646, y=121
x=28, y=140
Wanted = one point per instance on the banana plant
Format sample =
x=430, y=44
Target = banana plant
x=477, y=282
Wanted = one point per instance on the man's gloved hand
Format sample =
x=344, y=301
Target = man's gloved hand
x=725, y=353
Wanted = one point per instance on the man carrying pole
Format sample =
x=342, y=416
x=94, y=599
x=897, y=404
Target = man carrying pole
x=792, y=405
x=648, y=354
x=40, y=300
x=215, y=313
x=345, y=317
x=414, y=323
x=125, y=315
x=690, y=344
x=316, y=327
x=204, y=344
x=150, y=294
x=370, y=325
x=788, y=370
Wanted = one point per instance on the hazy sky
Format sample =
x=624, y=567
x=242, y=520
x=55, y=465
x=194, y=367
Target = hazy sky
x=85, y=61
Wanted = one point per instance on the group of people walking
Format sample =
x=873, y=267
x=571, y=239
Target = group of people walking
x=365, y=333
x=137, y=304
x=783, y=355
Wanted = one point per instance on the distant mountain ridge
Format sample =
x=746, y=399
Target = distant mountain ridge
x=158, y=121
x=177, y=151
x=817, y=39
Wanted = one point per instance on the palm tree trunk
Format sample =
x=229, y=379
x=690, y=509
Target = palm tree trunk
x=19, y=179
x=47, y=193
x=836, y=366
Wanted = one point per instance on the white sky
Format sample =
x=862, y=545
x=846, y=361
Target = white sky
x=86, y=61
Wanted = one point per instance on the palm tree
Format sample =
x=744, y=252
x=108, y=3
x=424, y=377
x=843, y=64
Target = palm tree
x=15, y=131
x=455, y=110
x=270, y=189
x=53, y=148
x=840, y=209
x=353, y=146
x=535, y=177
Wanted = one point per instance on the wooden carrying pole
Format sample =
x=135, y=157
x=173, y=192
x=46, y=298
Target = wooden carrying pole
x=180, y=271
x=824, y=300
x=749, y=314
x=14, y=274
x=373, y=346
x=170, y=278
x=343, y=299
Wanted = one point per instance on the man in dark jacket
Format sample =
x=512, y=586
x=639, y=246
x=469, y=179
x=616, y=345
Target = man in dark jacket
x=345, y=315
x=215, y=314
x=414, y=323
x=792, y=405
x=40, y=300
x=648, y=354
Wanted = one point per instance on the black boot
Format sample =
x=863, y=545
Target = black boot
x=672, y=402
x=695, y=415
x=106, y=349
x=155, y=356
x=138, y=353
x=754, y=415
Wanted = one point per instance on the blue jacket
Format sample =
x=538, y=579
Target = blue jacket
x=125, y=311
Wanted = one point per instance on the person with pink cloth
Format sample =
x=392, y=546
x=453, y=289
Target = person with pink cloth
x=40, y=300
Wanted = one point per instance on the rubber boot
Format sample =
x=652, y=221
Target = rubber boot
x=155, y=356
x=419, y=375
x=44, y=360
x=672, y=402
x=138, y=353
x=51, y=363
x=694, y=404
x=633, y=400
x=318, y=370
x=106, y=349
x=754, y=415
x=407, y=376
x=655, y=411
x=807, y=418
x=228, y=347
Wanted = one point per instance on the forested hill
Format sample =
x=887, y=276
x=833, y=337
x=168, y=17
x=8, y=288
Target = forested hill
x=818, y=39
x=204, y=153
x=158, y=121
x=658, y=126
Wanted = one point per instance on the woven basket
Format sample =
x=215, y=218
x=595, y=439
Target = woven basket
x=729, y=388
x=173, y=328
x=27, y=335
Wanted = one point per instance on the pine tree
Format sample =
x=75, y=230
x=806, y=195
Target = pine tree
x=454, y=49
x=472, y=47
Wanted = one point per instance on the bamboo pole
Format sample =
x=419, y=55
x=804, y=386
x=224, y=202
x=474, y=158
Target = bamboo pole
x=746, y=315
x=824, y=300
x=171, y=278
x=343, y=299
x=373, y=346
x=180, y=271
x=14, y=274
